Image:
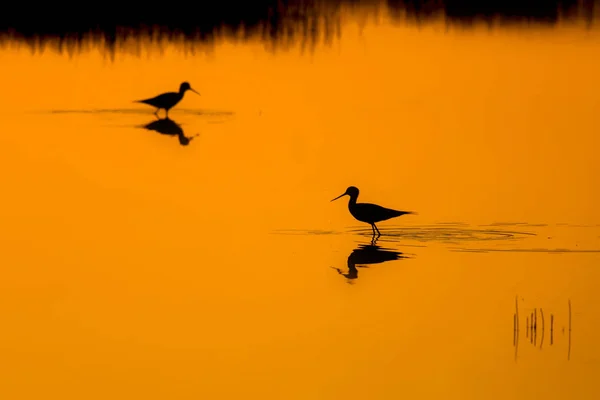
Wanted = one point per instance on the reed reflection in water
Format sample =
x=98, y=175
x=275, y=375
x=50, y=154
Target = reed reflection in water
x=548, y=325
x=279, y=25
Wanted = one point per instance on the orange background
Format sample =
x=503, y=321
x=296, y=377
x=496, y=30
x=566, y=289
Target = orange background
x=137, y=268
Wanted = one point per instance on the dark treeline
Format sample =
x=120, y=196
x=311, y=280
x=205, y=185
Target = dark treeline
x=272, y=20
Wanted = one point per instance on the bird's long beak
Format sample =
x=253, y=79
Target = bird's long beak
x=341, y=195
x=195, y=91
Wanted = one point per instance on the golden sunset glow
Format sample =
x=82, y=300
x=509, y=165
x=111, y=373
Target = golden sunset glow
x=138, y=268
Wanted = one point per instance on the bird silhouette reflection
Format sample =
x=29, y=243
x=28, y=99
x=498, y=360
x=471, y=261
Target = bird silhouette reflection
x=366, y=254
x=167, y=126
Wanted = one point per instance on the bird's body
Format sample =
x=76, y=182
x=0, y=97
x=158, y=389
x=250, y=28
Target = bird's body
x=367, y=212
x=372, y=213
x=167, y=100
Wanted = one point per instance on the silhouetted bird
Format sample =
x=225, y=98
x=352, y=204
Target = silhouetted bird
x=369, y=213
x=167, y=100
x=167, y=126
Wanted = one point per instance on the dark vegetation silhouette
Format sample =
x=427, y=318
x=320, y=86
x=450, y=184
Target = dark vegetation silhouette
x=368, y=254
x=167, y=126
x=279, y=23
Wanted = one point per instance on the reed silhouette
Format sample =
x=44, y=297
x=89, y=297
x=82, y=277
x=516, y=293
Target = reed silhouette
x=278, y=22
x=167, y=126
x=535, y=325
x=367, y=255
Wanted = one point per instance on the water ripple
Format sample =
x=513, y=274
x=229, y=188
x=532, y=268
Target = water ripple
x=458, y=236
x=139, y=111
x=450, y=233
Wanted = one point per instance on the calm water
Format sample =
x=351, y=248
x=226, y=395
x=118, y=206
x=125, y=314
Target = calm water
x=135, y=267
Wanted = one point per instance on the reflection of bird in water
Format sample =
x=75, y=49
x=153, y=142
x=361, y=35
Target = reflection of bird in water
x=167, y=100
x=167, y=126
x=369, y=213
x=368, y=254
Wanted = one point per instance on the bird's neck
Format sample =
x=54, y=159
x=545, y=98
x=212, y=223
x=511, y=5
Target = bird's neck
x=352, y=201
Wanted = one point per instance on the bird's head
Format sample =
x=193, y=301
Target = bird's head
x=352, y=191
x=185, y=86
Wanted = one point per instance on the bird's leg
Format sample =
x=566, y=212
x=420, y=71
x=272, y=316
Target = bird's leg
x=373, y=228
x=378, y=233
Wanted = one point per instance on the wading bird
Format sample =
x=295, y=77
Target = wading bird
x=167, y=100
x=369, y=213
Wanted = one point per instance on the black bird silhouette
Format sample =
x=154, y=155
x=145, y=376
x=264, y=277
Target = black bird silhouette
x=167, y=100
x=369, y=213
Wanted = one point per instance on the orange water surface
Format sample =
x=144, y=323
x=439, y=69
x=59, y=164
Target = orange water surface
x=135, y=267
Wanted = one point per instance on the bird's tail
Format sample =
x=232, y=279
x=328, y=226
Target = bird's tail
x=411, y=212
